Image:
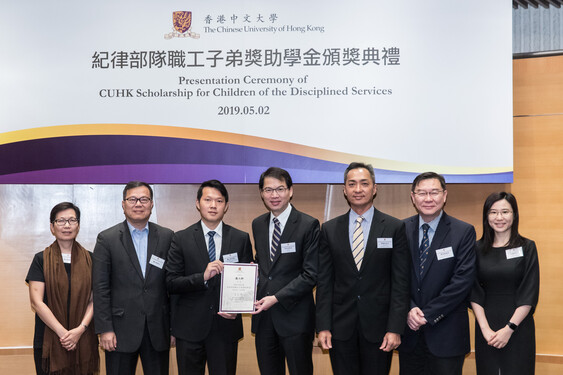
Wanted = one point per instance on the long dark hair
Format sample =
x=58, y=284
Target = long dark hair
x=488, y=233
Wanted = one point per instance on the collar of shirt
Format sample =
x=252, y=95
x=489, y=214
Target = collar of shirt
x=135, y=232
x=140, y=239
x=366, y=224
x=283, y=217
x=432, y=230
x=217, y=238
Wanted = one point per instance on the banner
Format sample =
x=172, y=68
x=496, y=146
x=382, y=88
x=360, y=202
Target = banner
x=176, y=92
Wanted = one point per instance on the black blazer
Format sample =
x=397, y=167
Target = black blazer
x=377, y=295
x=196, y=303
x=442, y=294
x=291, y=277
x=123, y=299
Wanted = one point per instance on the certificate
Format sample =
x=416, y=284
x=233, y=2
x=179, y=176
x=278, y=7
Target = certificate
x=238, y=287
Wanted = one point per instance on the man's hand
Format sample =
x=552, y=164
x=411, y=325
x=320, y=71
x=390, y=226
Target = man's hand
x=227, y=315
x=325, y=338
x=390, y=342
x=108, y=341
x=213, y=269
x=416, y=319
x=264, y=304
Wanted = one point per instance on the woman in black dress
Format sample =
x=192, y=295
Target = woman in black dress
x=60, y=290
x=505, y=293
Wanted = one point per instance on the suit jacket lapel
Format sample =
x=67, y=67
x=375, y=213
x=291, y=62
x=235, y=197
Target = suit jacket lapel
x=439, y=237
x=225, y=241
x=344, y=234
x=127, y=242
x=287, y=234
x=151, y=247
x=375, y=231
x=262, y=244
x=201, y=244
x=414, y=245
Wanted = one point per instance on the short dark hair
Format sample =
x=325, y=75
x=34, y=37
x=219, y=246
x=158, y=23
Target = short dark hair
x=135, y=184
x=215, y=184
x=61, y=207
x=488, y=232
x=356, y=165
x=277, y=173
x=428, y=176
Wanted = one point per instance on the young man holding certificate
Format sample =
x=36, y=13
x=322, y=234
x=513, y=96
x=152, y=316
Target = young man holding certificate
x=195, y=262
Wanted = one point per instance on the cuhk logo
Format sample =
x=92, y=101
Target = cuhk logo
x=182, y=22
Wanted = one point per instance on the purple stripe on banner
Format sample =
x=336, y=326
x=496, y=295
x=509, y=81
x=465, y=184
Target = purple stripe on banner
x=186, y=173
x=118, y=159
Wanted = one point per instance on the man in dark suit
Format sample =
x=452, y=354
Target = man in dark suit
x=286, y=243
x=363, y=286
x=131, y=308
x=195, y=261
x=442, y=273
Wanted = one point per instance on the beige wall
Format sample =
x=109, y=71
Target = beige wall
x=538, y=162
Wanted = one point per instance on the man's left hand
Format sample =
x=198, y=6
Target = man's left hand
x=264, y=304
x=391, y=341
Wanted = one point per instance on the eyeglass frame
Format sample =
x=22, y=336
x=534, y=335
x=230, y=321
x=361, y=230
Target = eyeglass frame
x=61, y=222
x=132, y=201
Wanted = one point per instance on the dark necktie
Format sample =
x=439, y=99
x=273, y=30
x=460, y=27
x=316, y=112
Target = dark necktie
x=211, y=246
x=275, y=239
x=424, y=246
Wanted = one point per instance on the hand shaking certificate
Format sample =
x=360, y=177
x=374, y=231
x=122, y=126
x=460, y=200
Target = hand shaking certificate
x=238, y=287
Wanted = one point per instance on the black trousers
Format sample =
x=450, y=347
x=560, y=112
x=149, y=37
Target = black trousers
x=154, y=362
x=218, y=352
x=358, y=356
x=422, y=362
x=272, y=350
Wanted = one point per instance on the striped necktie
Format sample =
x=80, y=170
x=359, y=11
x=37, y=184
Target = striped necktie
x=275, y=239
x=424, y=246
x=211, y=246
x=358, y=243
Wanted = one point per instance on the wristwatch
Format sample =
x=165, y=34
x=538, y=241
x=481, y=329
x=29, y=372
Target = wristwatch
x=512, y=326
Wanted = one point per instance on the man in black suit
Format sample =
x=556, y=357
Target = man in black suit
x=363, y=286
x=131, y=308
x=442, y=272
x=195, y=261
x=286, y=243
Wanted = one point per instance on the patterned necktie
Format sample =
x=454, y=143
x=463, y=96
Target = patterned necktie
x=211, y=246
x=358, y=243
x=275, y=239
x=424, y=246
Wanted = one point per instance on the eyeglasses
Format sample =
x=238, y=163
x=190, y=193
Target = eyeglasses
x=62, y=222
x=503, y=213
x=424, y=194
x=280, y=190
x=133, y=200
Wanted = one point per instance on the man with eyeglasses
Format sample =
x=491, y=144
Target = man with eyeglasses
x=131, y=306
x=286, y=242
x=195, y=262
x=443, y=268
x=363, y=289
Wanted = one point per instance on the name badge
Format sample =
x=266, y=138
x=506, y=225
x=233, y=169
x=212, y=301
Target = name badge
x=156, y=261
x=288, y=247
x=445, y=253
x=514, y=253
x=230, y=258
x=385, y=243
